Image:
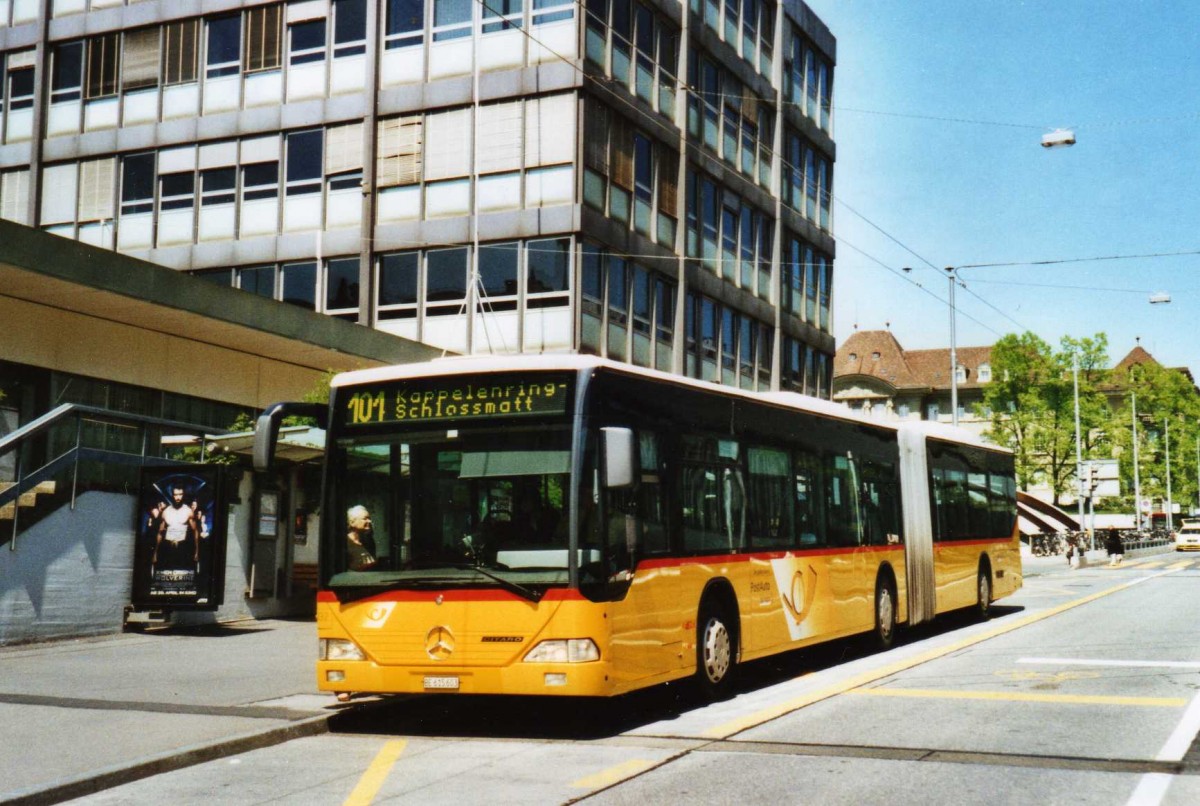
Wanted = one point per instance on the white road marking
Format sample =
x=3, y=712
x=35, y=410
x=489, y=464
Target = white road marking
x=1148, y=664
x=1150, y=790
x=1183, y=735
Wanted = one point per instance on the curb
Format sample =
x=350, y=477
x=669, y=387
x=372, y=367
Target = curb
x=167, y=762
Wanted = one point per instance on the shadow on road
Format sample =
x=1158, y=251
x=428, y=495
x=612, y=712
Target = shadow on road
x=554, y=718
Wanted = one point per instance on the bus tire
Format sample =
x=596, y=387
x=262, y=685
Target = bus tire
x=716, y=650
x=983, y=585
x=885, y=615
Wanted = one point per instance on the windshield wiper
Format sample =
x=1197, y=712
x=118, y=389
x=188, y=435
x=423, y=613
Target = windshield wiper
x=507, y=584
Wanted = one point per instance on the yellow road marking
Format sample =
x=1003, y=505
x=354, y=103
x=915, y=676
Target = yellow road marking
x=736, y=726
x=1152, y=564
x=1179, y=565
x=376, y=774
x=1044, y=677
x=613, y=774
x=1023, y=696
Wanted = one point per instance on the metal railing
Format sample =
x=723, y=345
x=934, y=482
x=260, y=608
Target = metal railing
x=124, y=439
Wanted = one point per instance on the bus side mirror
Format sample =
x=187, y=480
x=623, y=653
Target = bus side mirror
x=618, y=446
x=266, y=428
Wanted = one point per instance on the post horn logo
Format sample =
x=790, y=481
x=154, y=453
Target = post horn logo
x=439, y=643
x=799, y=604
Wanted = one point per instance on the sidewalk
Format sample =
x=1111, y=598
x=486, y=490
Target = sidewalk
x=1032, y=566
x=89, y=714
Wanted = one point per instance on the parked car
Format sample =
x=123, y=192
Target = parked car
x=1187, y=538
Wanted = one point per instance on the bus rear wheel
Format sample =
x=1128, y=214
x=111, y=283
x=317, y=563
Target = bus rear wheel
x=715, y=651
x=885, y=616
x=983, y=608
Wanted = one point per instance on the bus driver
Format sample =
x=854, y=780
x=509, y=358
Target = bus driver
x=360, y=539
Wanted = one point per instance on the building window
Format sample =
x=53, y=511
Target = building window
x=960, y=373
x=349, y=28
x=498, y=275
x=405, y=23
x=223, y=57
x=66, y=76
x=180, y=50
x=985, y=373
x=140, y=59
x=932, y=411
x=177, y=191
x=102, y=66
x=451, y=19
x=264, y=28
x=398, y=285
x=446, y=281
x=299, y=284
x=341, y=285
x=549, y=270
x=307, y=42
x=304, y=162
x=258, y=280
x=137, y=184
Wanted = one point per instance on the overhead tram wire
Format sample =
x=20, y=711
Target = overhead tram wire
x=915, y=283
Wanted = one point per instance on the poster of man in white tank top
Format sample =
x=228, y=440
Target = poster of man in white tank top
x=180, y=544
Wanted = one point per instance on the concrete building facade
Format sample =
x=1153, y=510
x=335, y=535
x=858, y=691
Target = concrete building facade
x=646, y=180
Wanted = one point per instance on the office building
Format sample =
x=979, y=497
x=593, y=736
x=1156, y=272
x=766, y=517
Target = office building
x=646, y=180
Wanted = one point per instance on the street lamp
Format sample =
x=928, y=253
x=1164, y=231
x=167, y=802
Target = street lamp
x=953, y=355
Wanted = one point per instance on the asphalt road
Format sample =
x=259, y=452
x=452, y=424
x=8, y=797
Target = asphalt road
x=1082, y=689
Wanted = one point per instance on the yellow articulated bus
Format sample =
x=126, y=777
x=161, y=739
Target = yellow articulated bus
x=568, y=525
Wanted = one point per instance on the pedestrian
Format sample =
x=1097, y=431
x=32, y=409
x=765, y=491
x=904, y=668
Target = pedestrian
x=1115, y=548
x=1071, y=551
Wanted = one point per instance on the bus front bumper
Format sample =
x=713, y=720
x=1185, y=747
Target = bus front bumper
x=558, y=679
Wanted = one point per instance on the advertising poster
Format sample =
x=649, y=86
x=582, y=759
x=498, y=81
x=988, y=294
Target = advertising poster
x=179, y=559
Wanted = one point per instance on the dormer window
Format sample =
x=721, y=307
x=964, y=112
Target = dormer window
x=853, y=356
x=985, y=373
x=874, y=356
x=960, y=374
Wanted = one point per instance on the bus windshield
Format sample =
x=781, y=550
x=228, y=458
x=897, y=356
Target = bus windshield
x=482, y=508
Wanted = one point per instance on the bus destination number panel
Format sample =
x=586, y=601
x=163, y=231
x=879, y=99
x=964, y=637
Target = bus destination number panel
x=427, y=400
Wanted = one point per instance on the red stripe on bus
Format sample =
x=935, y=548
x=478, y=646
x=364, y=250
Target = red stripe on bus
x=945, y=544
x=708, y=559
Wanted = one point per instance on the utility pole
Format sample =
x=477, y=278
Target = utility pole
x=1137, y=486
x=1170, y=506
x=1078, y=448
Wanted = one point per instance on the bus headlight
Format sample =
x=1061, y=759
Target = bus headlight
x=571, y=650
x=339, y=649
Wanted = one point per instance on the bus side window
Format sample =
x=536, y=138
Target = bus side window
x=810, y=519
x=769, y=512
x=841, y=496
x=650, y=505
x=636, y=516
x=713, y=494
x=880, y=504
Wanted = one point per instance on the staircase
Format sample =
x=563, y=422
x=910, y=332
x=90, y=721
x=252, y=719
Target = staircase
x=26, y=500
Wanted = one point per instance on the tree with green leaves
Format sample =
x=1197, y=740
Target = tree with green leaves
x=1032, y=403
x=1167, y=402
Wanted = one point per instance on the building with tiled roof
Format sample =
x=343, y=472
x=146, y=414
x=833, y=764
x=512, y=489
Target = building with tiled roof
x=874, y=374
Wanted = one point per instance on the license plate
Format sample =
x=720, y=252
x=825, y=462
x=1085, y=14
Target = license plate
x=447, y=682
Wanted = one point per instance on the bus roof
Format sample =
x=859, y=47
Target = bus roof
x=459, y=365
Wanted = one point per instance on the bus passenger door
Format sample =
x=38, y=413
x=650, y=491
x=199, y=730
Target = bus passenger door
x=647, y=636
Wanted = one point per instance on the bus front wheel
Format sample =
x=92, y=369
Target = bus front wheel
x=715, y=651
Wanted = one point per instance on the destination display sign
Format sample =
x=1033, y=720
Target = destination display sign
x=427, y=400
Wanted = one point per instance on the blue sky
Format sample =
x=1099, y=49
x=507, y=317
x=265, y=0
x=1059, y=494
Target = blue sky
x=1125, y=76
